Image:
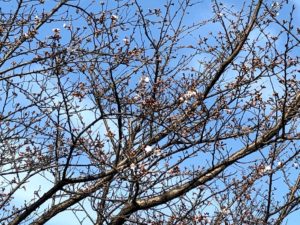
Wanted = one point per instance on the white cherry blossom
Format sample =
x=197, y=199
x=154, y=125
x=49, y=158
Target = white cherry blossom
x=148, y=148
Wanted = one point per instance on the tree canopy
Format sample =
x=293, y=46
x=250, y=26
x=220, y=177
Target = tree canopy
x=149, y=112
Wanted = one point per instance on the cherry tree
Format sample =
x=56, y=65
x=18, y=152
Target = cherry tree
x=141, y=112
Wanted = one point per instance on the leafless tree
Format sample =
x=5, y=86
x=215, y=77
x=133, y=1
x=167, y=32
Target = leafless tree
x=149, y=112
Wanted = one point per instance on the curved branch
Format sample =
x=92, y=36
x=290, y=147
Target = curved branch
x=210, y=173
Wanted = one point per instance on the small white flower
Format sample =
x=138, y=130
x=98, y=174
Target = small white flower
x=136, y=97
x=114, y=17
x=275, y=4
x=188, y=95
x=126, y=41
x=279, y=164
x=157, y=151
x=225, y=211
x=26, y=35
x=191, y=94
x=132, y=166
x=267, y=168
x=228, y=111
x=148, y=149
x=146, y=79
x=66, y=26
